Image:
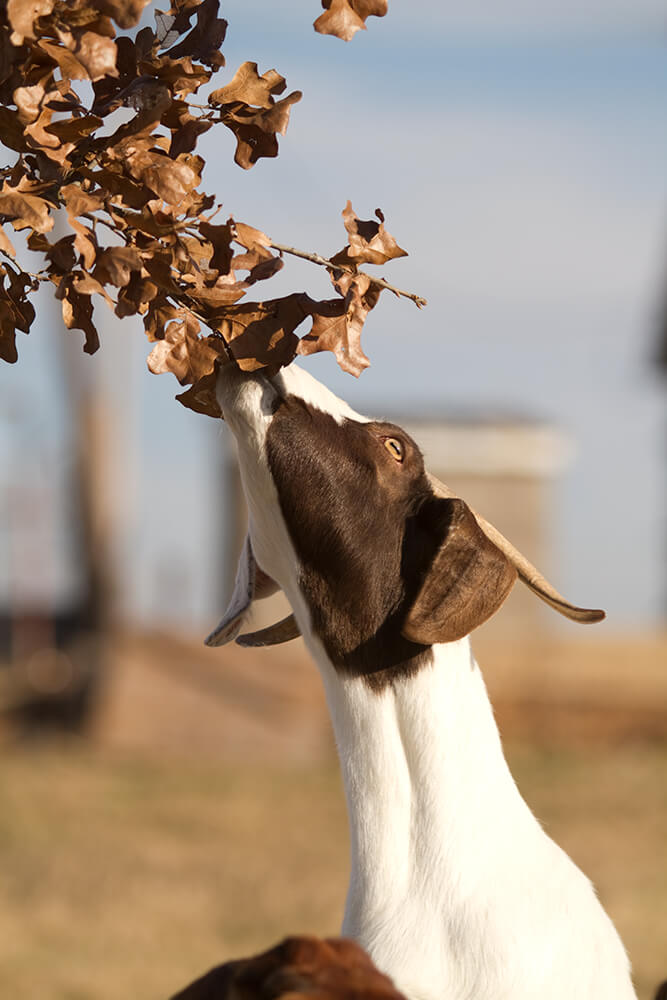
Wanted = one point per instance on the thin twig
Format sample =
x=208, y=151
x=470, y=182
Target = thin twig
x=315, y=258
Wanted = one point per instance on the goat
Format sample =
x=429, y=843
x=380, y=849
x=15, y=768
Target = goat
x=455, y=890
x=331, y=969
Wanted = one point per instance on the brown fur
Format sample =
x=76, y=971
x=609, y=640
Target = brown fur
x=331, y=969
x=468, y=581
x=377, y=549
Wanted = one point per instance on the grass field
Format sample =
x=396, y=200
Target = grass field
x=125, y=876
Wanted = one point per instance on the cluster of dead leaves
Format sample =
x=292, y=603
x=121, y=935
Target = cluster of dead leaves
x=141, y=235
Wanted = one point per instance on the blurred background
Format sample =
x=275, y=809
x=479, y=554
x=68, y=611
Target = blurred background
x=164, y=806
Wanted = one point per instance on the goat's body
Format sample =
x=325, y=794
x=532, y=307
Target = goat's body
x=455, y=890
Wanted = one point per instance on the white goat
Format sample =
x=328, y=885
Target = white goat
x=455, y=890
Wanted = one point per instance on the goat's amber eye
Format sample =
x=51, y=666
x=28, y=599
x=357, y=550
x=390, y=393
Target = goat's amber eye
x=395, y=448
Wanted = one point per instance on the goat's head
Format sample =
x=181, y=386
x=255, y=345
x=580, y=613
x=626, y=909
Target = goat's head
x=378, y=558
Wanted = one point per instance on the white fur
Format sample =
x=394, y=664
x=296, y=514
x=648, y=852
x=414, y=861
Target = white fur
x=455, y=890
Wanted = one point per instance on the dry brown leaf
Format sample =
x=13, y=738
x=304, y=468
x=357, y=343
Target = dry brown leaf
x=61, y=56
x=136, y=296
x=335, y=333
x=115, y=265
x=184, y=353
x=61, y=255
x=256, y=131
x=248, y=87
x=369, y=241
x=5, y=243
x=337, y=323
x=252, y=239
x=264, y=270
x=8, y=351
x=126, y=13
x=201, y=397
x=77, y=311
x=184, y=138
x=28, y=100
x=343, y=18
x=72, y=130
x=11, y=130
x=41, y=138
x=160, y=313
x=16, y=312
x=84, y=284
x=220, y=238
x=225, y=292
x=97, y=54
x=171, y=180
x=261, y=334
x=25, y=211
x=80, y=202
x=21, y=15
x=205, y=39
x=276, y=118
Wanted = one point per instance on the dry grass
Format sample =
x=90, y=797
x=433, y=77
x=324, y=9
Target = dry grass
x=125, y=877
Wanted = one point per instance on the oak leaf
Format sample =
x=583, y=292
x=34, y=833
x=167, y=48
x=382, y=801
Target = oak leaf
x=205, y=39
x=61, y=255
x=22, y=14
x=115, y=265
x=248, y=87
x=97, y=54
x=28, y=100
x=201, y=397
x=8, y=351
x=60, y=56
x=183, y=352
x=136, y=296
x=160, y=313
x=77, y=310
x=337, y=323
x=16, y=312
x=11, y=130
x=220, y=238
x=171, y=180
x=5, y=243
x=126, y=13
x=261, y=334
x=369, y=241
x=25, y=211
x=256, y=131
x=252, y=239
x=184, y=137
x=343, y=18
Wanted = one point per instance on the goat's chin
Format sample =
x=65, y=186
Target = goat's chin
x=247, y=401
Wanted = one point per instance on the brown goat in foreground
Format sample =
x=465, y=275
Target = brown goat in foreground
x=335, y=969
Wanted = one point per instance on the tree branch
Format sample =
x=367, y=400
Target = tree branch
x=315, y=258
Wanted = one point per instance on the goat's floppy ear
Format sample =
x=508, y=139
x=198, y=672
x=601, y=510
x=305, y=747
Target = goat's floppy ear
x=467, y=580
x=251, y=583
x=282, y=631
x=527, y=572
x=241, y=599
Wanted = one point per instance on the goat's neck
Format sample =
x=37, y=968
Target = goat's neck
x=432, y=805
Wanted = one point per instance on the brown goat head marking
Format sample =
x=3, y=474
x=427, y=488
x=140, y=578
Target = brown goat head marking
x=386, y=567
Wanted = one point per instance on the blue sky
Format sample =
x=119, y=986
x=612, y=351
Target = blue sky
x=520, y=156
